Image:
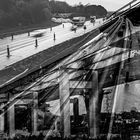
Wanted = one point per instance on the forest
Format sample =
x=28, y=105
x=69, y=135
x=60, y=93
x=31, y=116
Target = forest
x=15, y=13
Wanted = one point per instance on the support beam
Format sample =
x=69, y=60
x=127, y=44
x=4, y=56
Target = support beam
x=34, y=112
x=76, y=110
x=1, y=122
x=64, y=95
x=56, y=125
x=11, y=120
x=93, y=107
x=72, y=85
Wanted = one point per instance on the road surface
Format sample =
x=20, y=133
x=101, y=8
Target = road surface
x=23, y=46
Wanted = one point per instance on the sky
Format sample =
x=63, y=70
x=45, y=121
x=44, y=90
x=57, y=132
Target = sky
x=110, y=5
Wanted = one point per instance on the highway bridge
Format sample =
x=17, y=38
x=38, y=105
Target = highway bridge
x=83, y=82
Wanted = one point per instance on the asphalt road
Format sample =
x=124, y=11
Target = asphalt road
x=23, y=40
x=23, y=46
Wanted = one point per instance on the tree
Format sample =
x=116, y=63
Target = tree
x=24, y=12
x=27, y=12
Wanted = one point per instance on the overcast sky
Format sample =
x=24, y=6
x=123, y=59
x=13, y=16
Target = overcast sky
x=110, y=5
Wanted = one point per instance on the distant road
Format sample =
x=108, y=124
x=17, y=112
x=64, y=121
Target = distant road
x=23, y=46
x=23, y=40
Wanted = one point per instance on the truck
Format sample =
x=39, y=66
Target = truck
x=78, y=21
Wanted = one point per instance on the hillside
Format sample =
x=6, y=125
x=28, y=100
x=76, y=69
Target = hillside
x=19, y=13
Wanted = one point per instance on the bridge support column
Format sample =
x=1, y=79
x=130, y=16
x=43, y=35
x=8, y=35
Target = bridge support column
x=93, y=107
x=11, y=120
x=56, y=125
x=64, y=95
x=34, y=112
x=76, y=110
x=1, y=122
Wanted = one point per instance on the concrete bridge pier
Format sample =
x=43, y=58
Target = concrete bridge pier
x=76, y=109
x=1, y=122
x=11, y=116
x=11, y=120
x=34, y=112
x=93, y=107
x=64, y=94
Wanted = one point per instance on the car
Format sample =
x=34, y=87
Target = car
x=74, y=27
